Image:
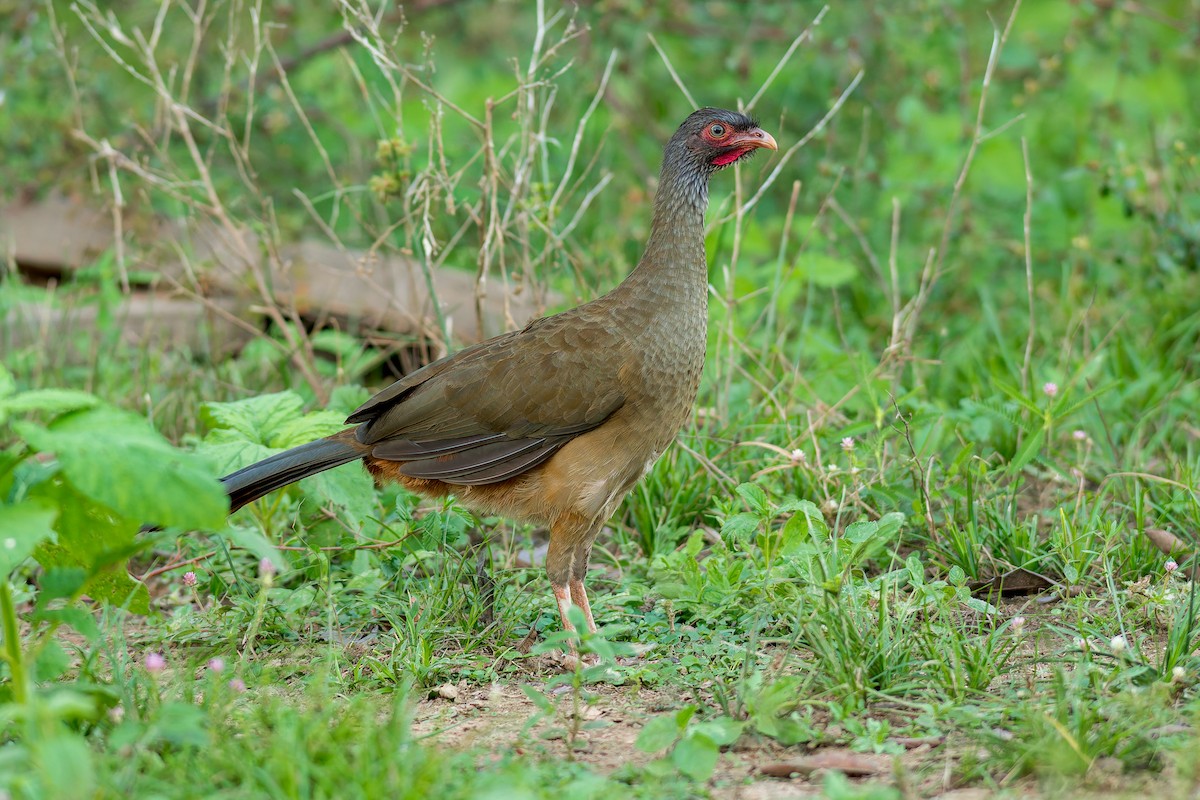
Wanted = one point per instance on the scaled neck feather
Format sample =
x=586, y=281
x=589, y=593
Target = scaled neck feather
x=673, y=264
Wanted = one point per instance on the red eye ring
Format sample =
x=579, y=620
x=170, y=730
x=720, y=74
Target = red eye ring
x=717, y=130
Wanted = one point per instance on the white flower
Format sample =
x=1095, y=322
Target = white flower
x=1170, y=566
x=1178, y=674
x=1050, y=389
x=848, y=444
x=1018, y=624
x=1118, y=644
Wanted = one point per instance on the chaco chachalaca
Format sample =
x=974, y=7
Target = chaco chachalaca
x=554, y=423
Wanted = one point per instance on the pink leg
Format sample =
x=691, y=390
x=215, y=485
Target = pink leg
x=562, y=595
x=579, y=597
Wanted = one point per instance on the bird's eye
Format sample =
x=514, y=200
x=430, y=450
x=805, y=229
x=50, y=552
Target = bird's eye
x=717, y=130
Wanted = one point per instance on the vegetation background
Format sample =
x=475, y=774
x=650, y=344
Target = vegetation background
x=953, y=337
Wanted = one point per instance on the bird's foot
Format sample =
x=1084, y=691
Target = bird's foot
x=572, y=661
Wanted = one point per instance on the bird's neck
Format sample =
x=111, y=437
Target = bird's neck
x=673, y=267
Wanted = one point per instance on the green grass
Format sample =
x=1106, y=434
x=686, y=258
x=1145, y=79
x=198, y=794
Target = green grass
x=880, y=431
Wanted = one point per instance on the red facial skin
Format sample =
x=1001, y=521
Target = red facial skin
x=735, y=143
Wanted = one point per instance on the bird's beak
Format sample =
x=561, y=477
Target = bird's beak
x=755, y=137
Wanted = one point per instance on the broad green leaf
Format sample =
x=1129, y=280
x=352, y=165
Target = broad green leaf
x=63, y=764
x=180, y=724
x=658, y=734
x=880, y=531
x=722, y=730
x=256, y=418
x=22, y=528
x=349, y=487
x=226, y=451
x=344, y=400
x=302, y=430
x=79, y=619
x=60, y=582
x=50, y=401
x=696, y=756
x=52, y=662
x=740, y=527
x=755, y=497
x=118, y=460
x=807, y=522
x=90, y=538
x=861, y=531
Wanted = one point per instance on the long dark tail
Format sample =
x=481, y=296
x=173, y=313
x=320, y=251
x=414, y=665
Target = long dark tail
x=252, y=482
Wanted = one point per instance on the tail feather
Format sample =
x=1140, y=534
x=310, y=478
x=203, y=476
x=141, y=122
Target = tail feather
x=252, y=482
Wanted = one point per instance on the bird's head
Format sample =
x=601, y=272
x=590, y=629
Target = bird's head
x=713, y=138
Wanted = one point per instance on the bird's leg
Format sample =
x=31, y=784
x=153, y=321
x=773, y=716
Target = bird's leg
x=579, y=597
x=562, y=596
x=566, y=564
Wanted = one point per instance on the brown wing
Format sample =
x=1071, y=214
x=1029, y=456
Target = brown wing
x=495, y=410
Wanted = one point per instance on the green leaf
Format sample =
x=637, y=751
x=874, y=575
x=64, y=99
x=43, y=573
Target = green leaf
x=226, y=451
x=722, y=730
x=808, y=522
x=52, y=661
x=740, y=527
x=22, y=528
x=916, y=570
x=861, y=531
x=180, y=724
x=539, y=699
x=349, y=487
x=93, y=539
x=60, y=582
x=118, y=460
x=49, y=401
x=658, y=734
x=755, y=498
x=256, y=418
x=696, y=756
x=82, y=621
x=1030, y=448
x=302, y=430
x=346, y=399
x=64, y=766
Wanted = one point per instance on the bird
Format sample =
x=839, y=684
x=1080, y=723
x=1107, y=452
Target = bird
x=554, y=423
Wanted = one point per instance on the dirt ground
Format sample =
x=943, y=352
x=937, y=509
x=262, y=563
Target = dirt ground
x=497, y=719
